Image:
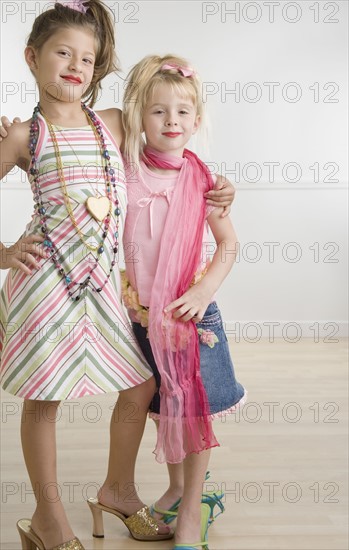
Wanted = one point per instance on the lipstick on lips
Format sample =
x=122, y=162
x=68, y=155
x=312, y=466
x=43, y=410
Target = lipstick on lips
x=171, y=134
x=72, y=79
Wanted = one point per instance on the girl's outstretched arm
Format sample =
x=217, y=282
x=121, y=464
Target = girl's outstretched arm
x=12, y=148
x=13, y=153
x=194, y=302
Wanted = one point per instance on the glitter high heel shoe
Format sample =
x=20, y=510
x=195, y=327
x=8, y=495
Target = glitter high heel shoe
x=205, y=519
x=30, y=541
x=141, y=524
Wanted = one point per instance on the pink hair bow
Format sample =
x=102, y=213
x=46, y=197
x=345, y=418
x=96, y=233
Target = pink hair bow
x=76, y=5
x=185, y=71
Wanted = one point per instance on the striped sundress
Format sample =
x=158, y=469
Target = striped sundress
x=52, y=348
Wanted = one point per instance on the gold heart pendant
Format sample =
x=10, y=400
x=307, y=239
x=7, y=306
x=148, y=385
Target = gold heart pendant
x=98, y=207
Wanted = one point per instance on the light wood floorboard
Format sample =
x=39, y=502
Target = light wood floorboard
x=283, y=466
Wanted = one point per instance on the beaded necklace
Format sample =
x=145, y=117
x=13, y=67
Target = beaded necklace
x=93, y=185
x=74, y=288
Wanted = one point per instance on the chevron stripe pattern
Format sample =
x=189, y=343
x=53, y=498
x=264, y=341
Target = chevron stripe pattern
x=52, y=348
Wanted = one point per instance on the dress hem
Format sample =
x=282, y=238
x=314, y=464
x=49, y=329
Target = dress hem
x=220, y=414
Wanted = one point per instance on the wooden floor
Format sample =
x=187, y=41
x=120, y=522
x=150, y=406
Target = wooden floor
x=282, y=461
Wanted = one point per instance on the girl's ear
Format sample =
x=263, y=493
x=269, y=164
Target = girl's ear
x=30, y=57
x=196, y=124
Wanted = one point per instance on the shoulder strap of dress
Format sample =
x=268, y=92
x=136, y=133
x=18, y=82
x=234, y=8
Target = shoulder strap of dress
x=42, y=138
x=108, y=133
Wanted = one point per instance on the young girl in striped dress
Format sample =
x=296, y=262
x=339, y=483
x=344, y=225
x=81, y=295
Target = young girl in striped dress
x=64, y=333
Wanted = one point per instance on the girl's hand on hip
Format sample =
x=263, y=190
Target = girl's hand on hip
x=191, y=306
x=20, y=255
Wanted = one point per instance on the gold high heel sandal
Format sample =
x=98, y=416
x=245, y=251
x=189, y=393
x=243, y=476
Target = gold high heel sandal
x=30, y=541
x=141, y=524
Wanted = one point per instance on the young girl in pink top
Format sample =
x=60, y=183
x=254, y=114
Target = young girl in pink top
x=169, y=287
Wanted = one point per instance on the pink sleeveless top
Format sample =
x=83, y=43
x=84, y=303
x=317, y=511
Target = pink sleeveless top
x=149, y=196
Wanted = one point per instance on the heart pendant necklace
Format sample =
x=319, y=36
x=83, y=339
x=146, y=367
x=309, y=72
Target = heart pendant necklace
x=101, y=208
x=98, y=207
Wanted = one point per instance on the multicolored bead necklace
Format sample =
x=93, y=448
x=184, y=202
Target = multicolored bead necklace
x=74, y=288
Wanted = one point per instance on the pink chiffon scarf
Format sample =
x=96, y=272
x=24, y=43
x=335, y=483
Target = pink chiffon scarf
x=184, y=426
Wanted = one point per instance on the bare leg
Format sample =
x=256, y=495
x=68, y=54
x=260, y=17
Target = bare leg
x=175, y=488
x=38, y=434
x=126, y=431
x=189, y=514
x=186, y=482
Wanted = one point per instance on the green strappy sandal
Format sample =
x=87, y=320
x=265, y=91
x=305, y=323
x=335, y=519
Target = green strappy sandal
x=205, y=519
x=212, y=498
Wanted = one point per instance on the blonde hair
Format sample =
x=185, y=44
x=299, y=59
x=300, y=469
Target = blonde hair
x=98, y=20
x=141, y=83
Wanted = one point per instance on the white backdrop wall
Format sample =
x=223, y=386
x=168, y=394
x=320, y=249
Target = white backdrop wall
x=274, y=79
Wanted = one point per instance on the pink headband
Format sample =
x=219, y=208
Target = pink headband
x=185, y=71
x=76, y=5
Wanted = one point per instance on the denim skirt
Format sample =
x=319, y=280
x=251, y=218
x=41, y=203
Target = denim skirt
x=224, y=392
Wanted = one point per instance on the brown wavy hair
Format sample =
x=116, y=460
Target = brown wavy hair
x=98, y=19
